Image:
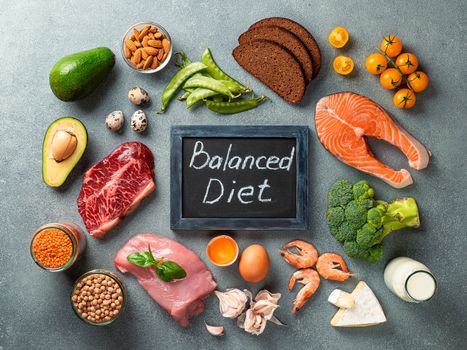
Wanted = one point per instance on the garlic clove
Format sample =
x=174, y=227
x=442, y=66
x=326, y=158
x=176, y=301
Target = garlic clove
x=215, y=330
x=231, y=302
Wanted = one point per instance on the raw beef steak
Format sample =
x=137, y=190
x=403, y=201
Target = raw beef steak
x=115, y=186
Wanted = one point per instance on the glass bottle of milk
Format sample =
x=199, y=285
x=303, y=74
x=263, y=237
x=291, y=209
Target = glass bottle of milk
x=410, y=280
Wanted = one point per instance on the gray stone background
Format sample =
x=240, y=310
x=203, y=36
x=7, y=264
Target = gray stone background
x=35, y=311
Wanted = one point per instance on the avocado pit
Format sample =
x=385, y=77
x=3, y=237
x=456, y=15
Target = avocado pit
x=63, y=145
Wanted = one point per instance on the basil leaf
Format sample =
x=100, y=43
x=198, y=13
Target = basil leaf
x=169, y=271
x=143, y=259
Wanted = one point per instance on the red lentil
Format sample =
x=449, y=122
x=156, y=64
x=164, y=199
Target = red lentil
x=52, y=248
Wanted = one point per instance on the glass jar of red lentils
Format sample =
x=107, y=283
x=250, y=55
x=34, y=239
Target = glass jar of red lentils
x=56, y=246
x=98, y=297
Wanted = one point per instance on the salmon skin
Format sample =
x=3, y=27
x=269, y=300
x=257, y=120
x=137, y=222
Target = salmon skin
x=342, y=121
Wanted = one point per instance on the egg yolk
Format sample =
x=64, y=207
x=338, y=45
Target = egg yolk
x=222, y=250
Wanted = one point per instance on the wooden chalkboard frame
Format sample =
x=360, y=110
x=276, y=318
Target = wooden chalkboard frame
x=300, y=222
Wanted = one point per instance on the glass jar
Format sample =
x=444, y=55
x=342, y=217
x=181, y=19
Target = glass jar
x=410, y=280
x=79, y=286
x=76, y=236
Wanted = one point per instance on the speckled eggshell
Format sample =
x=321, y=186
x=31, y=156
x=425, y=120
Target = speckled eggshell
x=139, y=122
x=138, y=96
x=114, y=120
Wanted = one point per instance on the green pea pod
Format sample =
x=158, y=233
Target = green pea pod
x=209, y=83
x=234, y=106
x=216, y=72
x=198, y=95
x=177, y=81
x=184, y=96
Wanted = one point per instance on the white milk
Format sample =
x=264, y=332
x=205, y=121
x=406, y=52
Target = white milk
x=410, y=280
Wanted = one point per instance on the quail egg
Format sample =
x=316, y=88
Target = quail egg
x=114, y=121
x=139, y=122
x=138, y=96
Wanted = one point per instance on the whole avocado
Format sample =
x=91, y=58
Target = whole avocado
x=77, y=75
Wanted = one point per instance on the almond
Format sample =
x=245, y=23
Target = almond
x=144, y=54
x=153, y=29
x=158, y=35
x=127, y=52
x=145, y=41
x=137, y=56
x=148, y=62
x=160, y=55
x=140, y=65
x=151, y=51
x=155, y=43
x=133, y=60
x=135, y=33
x=143, y=33
x=155, y=63
x=166, y=45
x=132, y=37
x=151, y=36
x=130, y=44
x=137, y=43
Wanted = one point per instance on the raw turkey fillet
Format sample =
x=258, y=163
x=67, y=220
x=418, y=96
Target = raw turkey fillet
x=343, y=119
x=182, y=299
x=115, y=186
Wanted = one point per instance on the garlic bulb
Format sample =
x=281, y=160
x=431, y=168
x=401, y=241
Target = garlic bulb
x=231, y=302
x=261, y=311
x=215, y=330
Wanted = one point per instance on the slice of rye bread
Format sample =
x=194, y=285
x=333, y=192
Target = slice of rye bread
x=284, y=38
x=274, y=66
x=298, y=30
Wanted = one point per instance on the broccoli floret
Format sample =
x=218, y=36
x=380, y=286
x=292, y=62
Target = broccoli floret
x=362, y=190
x=375, y=253
x=368, y=236
x=375, y=216
x=346, y=232
x=356, y=212
x=335, y=216
x=340, y=193
x=361, y=223
x=352, y=249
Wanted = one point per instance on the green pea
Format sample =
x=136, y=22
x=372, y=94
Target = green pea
x=209, y=83
x=235, y=106
x=177, y=81
x=198, y=95
x=216, y=72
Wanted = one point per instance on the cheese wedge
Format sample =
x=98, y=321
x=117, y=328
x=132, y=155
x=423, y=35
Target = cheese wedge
x=366, y=310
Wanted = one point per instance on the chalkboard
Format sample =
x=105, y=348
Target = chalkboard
x=236, y=177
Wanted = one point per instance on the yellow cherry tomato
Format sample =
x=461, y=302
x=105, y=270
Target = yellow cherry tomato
x=418, y=81
x=343, y=65
x=376, y=63
x=407, y=63
x=338, y=37
x=391, y=45
x=404, y=98
x=390, y=78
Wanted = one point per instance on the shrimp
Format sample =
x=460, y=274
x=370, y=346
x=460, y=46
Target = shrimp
x=327, y=267
x=306, y=257
x=310, y=279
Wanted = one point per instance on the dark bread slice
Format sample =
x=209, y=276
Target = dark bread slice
x=284, y=38
x=298, y=30
x=274, y=66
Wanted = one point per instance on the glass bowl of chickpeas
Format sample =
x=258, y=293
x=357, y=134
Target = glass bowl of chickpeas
x=98, y=297
x=147, y=47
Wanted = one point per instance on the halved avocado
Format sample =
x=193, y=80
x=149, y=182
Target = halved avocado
x=55, y=173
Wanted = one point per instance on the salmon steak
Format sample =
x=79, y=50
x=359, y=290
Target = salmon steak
x=344, y=119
